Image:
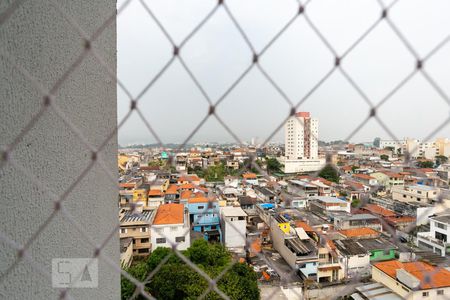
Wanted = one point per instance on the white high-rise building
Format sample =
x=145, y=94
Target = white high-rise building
x=301, y=133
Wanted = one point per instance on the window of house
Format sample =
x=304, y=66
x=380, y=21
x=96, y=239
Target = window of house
x=243, y=218
x=440, y=292
x=160, y=240
x=179, y=239
x=425, y=294
x=123, y=230
x=231, y=219
x=145, y=250
x=322, y=255
x=143, y=241
x=201, y=207
x=440, y=225
x=143, y=229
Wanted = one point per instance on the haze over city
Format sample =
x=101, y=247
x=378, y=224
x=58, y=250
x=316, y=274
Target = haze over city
x=217, y=55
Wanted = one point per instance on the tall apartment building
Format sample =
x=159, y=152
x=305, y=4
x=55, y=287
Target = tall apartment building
x=301, y=133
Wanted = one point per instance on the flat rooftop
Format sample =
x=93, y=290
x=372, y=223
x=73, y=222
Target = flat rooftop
x=302, y=183
x=133, y=216
x=353, y=217
x=230, y=211
x=328, y=199
x=442, y=218
x=350, y=247
x=422, y=187
x=377, y=244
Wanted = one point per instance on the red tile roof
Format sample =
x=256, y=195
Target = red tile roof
x=359, y=232
x=378, y=210
x=199, y=200
x=401, y=219
x=304, y=225
x=429, y=276
x=186, y=186
x=363, y=176
x=155, y=193
x=303, y=114
x=249, y=176
x=172, y=189
x=169, y=214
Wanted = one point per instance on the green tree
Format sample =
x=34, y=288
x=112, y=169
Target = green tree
x=384, y=157
x=441, y=159
x=376, y=142
x=176, y=280
x=425, y=164
x=273, y=165
x=138, y=271
x=329, y=173
x=356, y=203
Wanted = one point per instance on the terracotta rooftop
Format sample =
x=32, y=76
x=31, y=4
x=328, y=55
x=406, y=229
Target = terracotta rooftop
x=189, y=178
x=304, y=225
x=378, y=210
x=401, y=219
x=155, y=193
x=169, y=214
x=429, y=276
x=363, y=176
x=199, y=200
x=186, y=186
x=392, y=174
x=359, y=232
x=303, y=114
x=249, y=176
x=173, y=189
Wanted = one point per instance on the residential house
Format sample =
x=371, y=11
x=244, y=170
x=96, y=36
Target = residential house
x=438, y=238
x=413, y=280
x=328, y=269
x=233, y=224
x=353, y=258
x=135, y=224
x=155, y=198
x=249, y=179
x=411, y=193
x=302, y=188
x=365, y=179
x=325, y=204
x=265, y=194
x=204, y=217
x=171, y=225
x=388, y=179
x=350, y=221
x=295, y=246
x=379, y=248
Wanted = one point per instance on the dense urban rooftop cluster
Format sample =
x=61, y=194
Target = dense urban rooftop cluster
x=373, y=214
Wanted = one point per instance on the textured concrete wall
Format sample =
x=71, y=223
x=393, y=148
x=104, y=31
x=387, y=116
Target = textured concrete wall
x=45, y=44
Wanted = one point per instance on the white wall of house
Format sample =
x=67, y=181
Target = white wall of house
x=234, y=232
x=356, y=265
x=163, y=235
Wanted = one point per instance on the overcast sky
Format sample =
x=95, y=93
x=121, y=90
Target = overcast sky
x=217, y=55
